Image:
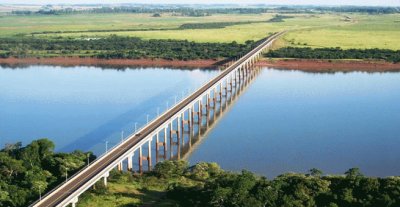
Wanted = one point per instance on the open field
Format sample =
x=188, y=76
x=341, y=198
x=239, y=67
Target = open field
x=315, y=30
x=368, y=31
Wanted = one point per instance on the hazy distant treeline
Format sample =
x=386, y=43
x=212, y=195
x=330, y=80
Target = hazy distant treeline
x=192, y=11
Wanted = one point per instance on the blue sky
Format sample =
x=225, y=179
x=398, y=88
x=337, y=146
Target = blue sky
x=289, y=2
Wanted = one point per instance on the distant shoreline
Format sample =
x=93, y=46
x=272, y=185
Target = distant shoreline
x=319, y=65
x=76, y=61
x=312, y=65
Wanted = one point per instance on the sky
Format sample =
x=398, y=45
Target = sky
x=286, y=2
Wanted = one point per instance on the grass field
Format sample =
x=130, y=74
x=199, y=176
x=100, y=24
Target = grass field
x=306, y=30
x=368, y=31
x=126, y=190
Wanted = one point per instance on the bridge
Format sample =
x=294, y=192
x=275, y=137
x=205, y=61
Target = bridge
x=166, y=133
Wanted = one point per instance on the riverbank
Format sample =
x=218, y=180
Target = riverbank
x=314, y=65
x=74, y=61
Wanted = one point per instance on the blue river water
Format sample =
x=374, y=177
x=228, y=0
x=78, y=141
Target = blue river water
x=284, y=121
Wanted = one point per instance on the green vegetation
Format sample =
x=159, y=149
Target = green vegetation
x=174, y=183
x=26, y=172
x=335, y=53
x=362, y=32
x=315, y=27
x=280, y=18
x=213, y=25
x=120, y=47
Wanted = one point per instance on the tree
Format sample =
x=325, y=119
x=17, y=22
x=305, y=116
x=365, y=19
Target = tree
x=353, y=173
x=315, y=172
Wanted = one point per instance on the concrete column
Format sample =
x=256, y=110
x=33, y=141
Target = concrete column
x=235, y=74
x=220, y=93
x=105, y=178
x=165, y=142
x=149, y=154
x=130, y=163
x=182, y=123
x=74, y=201
x=215, y=98
x=170, y=140
x=140, y=160
x=207, y=102
x=119, y=166
x=191, y=119
x=200, y=114
x=157, y=147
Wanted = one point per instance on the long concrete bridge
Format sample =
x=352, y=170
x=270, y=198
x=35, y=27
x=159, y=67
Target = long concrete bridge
x=164, y=134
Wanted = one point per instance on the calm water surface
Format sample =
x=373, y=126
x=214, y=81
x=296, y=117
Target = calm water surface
x=284, y=121
x=83, y=107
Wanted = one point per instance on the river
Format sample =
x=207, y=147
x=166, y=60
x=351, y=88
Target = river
x=284, y=121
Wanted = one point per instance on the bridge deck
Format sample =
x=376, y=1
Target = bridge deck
x=83, y=177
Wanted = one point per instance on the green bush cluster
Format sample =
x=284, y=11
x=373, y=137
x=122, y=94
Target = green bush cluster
x=335, y=53
x=280, y=18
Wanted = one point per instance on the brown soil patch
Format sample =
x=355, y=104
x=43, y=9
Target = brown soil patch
x=330, y=66
x=74, y=61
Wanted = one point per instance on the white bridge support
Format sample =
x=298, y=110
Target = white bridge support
x=171, y=130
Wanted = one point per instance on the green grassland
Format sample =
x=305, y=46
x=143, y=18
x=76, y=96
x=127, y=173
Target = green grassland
x=126, y=189
x=305, y=30
x=367, y=31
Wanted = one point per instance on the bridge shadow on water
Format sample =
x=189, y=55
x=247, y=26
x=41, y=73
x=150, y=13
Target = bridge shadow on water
x=110, y=130
x=194, y=141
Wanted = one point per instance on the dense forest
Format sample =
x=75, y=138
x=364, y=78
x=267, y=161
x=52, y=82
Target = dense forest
x=120, y=47
x=26, y=172
x=335, y=53
x=187, y=10
x=243, y=189
x=206, y=184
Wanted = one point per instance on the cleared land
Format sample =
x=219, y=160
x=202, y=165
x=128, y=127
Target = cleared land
x=308, y=30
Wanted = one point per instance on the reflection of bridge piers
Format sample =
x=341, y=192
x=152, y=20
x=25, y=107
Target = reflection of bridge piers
x=195, y=141
x=183, y=125
x=214, y=110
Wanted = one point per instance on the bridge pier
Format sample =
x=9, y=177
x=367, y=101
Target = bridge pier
x=146, y=158
x=161, y=144
x=165, y=142
x=186, y=123
x=129, y=166
x=173, y=143
x=149, y=164
x=119, y=166
x=74, y=201
x=105, y=178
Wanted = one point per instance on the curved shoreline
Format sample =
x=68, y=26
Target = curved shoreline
x=307, y=65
